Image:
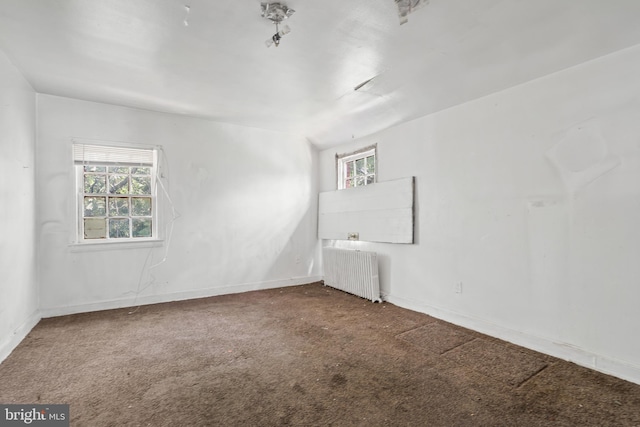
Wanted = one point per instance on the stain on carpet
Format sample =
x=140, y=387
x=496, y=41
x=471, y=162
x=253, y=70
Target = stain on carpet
x=338, y=380
x=508, y=364
x=437, y=337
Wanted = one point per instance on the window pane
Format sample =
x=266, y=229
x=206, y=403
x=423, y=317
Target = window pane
x=95, y=184
x=360, y=167
x=95, y=206
x=141, y=171
x=118, y=169
x=117, y=198
x=118, y=228
x=118, y=206
x=359, y=181
x=119, y=184
x=95, y=169
x=141, y=206
x=141, y=227
x=95, y=228
x=350, y=169
x=371, y=164
x=140, y=185
x=370, y=179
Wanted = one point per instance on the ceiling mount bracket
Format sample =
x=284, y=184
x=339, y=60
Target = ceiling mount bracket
x=276, y=12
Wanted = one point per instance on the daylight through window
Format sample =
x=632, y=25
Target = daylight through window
x=357, y=169
x=116, y=193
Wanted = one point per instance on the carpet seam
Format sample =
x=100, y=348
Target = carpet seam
x=459, y=345
x=523, y=382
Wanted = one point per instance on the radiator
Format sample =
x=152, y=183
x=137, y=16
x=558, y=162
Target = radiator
x=355, y=272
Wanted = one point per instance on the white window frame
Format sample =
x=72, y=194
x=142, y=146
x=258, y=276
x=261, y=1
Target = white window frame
x=342, y=160
x=106, y=154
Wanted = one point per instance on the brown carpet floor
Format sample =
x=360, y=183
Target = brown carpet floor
x=303, y=356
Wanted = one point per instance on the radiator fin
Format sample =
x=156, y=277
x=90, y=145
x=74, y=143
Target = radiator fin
x=355, y=272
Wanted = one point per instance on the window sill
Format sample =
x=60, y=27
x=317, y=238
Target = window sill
x=106, y=246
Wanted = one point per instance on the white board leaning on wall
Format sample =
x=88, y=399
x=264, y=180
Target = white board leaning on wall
x=380, y=212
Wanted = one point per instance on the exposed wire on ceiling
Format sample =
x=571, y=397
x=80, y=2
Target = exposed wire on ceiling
x=363, y=84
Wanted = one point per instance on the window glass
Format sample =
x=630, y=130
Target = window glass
x=118, y=206
x=119, y=184
x=95, y=184
x=95, y=228
x=371, y=165
x=95, y=206
x=357, y=169
x=140, y=185
x=141, y=206
x=116, y=201
x=350, y=166
x=360, y=167
x=118, y=228
x=141, y=227
x=118, y=169
x=95, y=169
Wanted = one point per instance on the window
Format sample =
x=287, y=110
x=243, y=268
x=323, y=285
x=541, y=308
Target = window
x=357, y=169
x=116, y=193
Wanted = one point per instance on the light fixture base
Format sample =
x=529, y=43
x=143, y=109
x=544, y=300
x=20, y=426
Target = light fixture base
x=276, y=12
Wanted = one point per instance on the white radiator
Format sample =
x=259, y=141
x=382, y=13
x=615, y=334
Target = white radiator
x=352, y=271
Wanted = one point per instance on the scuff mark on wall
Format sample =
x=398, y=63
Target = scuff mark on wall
x=582, y=156
x=547, y=220
x=199, y=172
x=187, y=9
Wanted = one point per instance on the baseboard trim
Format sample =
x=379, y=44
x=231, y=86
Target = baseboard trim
x=176, y=296
x=10, y=343
x=562, y=351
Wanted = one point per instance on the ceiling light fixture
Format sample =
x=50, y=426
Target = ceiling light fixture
x=405, y=7
x=276, y=13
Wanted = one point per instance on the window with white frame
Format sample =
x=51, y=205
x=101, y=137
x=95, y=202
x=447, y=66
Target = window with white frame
x=116, y=193
x=356, y=169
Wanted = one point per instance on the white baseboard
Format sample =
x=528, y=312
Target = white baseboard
x=8, y=344
x=562, y=351
x=175, y=296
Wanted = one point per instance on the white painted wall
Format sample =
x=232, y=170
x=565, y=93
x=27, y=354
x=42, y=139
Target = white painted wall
x=545, y=241
x=247, y=200
x=18, y=286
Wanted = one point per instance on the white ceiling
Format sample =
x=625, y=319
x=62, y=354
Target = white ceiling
x=140, y=53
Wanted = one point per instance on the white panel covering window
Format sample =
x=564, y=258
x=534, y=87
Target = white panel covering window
x=116, y=193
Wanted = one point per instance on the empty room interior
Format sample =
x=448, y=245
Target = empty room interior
x=365, y=212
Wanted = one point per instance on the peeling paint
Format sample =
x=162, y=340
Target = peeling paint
x=582, y=156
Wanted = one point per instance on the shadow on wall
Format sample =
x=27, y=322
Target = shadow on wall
x=256, y=200
x=299, y=252
x=384, y=274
